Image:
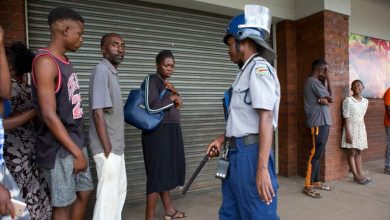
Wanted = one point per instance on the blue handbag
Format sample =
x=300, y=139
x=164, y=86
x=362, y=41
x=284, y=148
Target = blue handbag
x=137, y=111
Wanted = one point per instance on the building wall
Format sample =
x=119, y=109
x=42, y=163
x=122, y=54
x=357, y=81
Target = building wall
x=12, y=19
x=281, y=9
x=310, y=45
x=376, y=134
x=321, y=35
x=287, y=72
x=337, y=55
x=371, y=18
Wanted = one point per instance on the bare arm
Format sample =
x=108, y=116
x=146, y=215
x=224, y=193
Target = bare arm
x=263, y=179
x=18, y=120
x=170, y=87
x=348, y=137
x=175, y=98
x=330, y=90
x=98, y=117
x=5, y=78
x=388, y=109
x=45, y=72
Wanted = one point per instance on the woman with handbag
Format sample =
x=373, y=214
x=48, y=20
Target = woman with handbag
x=163, y=147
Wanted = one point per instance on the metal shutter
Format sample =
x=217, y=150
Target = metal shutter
x=203, y=69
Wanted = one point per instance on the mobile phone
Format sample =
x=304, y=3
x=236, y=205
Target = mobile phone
x=18, y=207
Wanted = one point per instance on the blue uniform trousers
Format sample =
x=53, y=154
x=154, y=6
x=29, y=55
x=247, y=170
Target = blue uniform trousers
x=241, y=199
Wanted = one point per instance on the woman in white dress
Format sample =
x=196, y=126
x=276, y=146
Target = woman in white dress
x=354, y=137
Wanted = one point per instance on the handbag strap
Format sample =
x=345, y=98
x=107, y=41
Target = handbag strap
x=162, y=94
x=153, y=111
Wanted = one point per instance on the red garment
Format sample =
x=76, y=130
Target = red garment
x=386, y=100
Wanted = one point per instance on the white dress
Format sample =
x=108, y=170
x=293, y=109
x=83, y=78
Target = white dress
x=355, y=111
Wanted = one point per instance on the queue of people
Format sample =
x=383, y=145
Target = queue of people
x=8, y=187
x=46, y=154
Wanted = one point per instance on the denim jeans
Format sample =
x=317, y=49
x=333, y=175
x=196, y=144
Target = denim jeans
x=387, y=154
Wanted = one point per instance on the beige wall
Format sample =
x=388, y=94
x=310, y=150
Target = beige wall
x=339, y=6
x=370, y=18
x=304, y=8
x=367, y=17
x=281, y=9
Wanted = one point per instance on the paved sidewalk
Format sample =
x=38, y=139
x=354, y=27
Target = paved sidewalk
x=349, y=201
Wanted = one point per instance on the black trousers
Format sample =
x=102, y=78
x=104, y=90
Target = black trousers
x=319, y=138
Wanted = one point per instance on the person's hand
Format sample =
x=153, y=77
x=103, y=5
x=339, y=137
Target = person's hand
x=326, y=74
x=348, y=138
x=214, y=147
x=80, y=164
x=1, y=36
x=170, y=87
x=323, y=101
x=179, y=103
x=177, y=100
x=6, y=206
x=264, y=186
x=107, y=151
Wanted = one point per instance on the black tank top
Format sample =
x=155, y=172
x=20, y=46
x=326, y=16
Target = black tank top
x=69, y=110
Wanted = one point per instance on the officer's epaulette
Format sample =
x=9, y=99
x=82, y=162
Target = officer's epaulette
x=259, y=59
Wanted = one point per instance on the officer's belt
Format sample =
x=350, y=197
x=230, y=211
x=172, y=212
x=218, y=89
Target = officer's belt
x=248, y=140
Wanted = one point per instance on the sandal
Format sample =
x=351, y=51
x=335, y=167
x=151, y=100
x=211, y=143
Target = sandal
x=176, y=215
x=310, y=192
x=322, y=186
x=365, y=181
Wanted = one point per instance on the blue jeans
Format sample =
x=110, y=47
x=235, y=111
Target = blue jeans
x=387, y=154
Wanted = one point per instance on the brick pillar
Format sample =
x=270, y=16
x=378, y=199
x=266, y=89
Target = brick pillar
x=324, y=35
x=376, y=135
x=310, y=45
x=287, y=73
x=337, y=55
x=12, y=20
x=321, y=35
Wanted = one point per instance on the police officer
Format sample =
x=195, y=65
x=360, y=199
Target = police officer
x=250, y=188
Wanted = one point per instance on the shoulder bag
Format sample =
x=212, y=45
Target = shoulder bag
x=137, y=111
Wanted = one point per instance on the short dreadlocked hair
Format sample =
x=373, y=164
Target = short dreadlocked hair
x=63, y=13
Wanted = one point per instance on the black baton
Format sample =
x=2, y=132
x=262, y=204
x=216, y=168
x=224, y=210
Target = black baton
x=198, y=169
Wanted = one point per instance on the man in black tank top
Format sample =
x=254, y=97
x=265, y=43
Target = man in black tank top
x=60, y=140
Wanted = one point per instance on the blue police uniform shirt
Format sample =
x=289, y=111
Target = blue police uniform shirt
x=256, y=87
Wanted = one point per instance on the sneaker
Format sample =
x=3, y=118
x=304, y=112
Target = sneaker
x=386, y=171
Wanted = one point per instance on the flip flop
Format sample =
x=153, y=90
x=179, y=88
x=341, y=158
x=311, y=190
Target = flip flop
x=322, y=186
x=176, y=215
x=365, y=181
x=311, y=193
